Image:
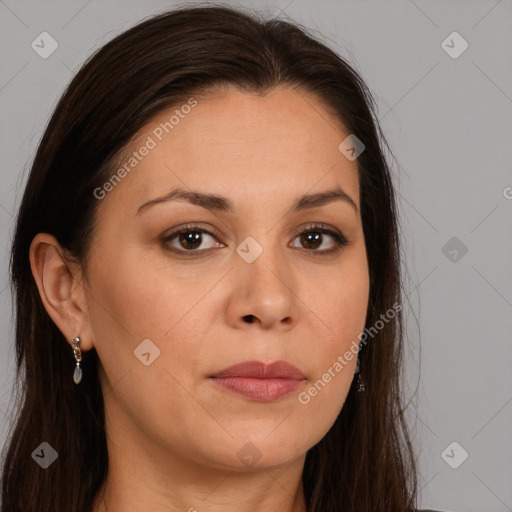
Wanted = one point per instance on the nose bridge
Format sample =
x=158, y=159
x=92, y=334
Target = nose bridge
x=261, y=252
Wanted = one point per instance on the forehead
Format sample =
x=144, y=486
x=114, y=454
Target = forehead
x=232, y=142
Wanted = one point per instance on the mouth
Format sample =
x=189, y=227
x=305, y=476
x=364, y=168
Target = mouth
x=259, y=381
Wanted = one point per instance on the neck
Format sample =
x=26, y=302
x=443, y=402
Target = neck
x=276, y=490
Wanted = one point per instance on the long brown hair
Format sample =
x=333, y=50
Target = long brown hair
x=365, y=462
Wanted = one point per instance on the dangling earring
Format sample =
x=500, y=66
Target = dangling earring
x=360, y=381
x=360, y=384
x=77, y=374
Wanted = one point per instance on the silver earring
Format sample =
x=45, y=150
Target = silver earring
x=360, y=381
x=77, y=352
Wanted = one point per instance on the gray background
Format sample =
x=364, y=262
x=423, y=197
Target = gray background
x=449, y=123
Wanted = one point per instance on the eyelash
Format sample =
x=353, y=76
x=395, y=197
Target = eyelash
x=339, y=239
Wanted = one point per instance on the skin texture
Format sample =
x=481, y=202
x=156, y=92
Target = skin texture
x=173, y=437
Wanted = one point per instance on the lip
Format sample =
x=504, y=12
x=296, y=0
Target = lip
x=259, y=381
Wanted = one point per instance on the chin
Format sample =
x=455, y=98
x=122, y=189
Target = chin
x=250, y=456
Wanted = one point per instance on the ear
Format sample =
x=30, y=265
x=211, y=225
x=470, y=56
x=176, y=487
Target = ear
x=61, y=289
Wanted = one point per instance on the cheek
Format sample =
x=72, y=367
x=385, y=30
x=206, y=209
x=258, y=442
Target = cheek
x=135, y=312
x=130, y=303
x=342, y=308
x=344, y=302
x=142, y=292
x=335, y=359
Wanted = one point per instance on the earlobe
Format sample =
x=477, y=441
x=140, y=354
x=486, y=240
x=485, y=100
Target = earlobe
x=60, y=289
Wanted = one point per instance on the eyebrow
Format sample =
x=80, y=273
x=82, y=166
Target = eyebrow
x=223, y=204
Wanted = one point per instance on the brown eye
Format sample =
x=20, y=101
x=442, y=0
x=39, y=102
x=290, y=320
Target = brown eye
x=311, y=240
x=190, y=239
x=314, y=237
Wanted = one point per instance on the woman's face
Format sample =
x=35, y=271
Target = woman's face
x=167, y=312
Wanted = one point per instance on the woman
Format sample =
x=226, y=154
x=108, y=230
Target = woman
x=206, y=269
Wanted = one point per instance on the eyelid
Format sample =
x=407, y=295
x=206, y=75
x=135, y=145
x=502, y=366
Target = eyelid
x=320, y=227
x=210, y=230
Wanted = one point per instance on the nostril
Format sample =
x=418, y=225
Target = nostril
x=248, y=319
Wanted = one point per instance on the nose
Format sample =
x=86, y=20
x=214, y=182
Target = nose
x=263, y=293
